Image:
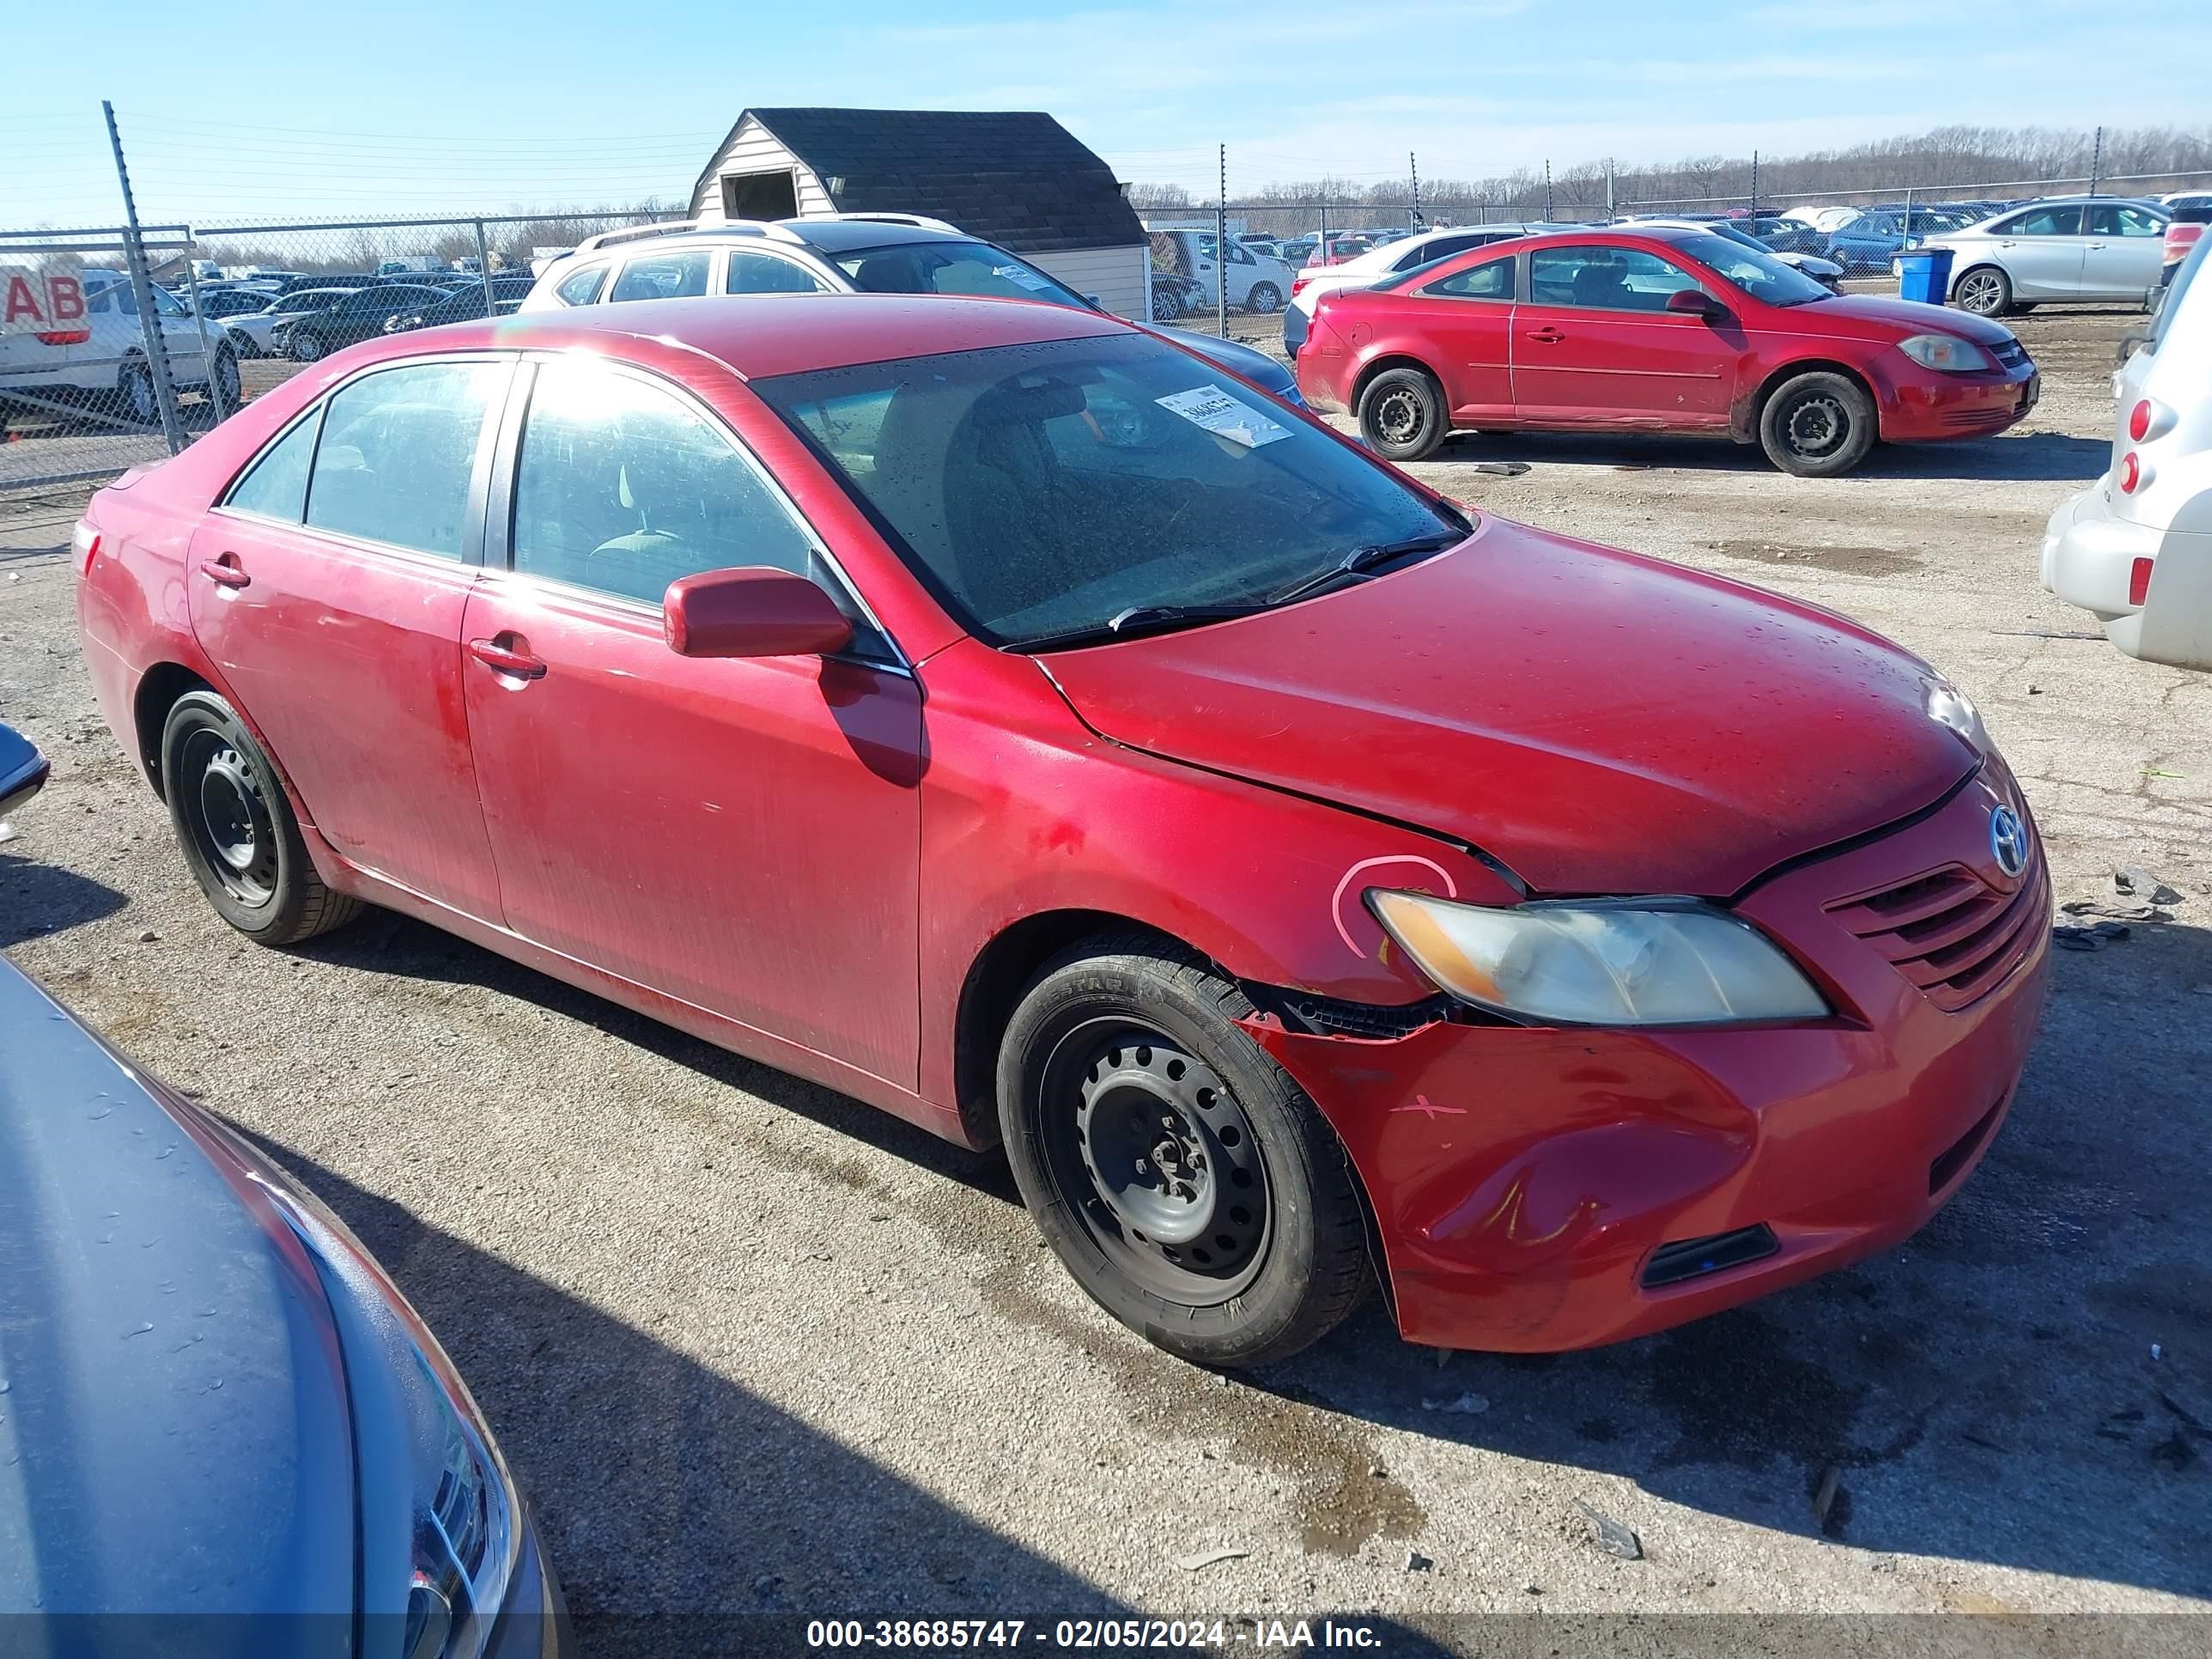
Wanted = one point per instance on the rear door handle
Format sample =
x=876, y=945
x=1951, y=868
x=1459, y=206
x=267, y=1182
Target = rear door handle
x=225, y=572
x=507, y=658
x=1547, y=336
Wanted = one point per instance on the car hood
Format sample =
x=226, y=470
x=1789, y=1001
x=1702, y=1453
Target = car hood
x=175, y=1435
x=1598, y=721
x=1254, y=366
x=1879, y=316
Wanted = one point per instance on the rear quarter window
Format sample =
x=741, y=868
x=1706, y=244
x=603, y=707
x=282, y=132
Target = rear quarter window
x=583, y=288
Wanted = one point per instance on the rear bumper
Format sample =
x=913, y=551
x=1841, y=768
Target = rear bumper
x=2089, y=560
x=1523, y=1180
x=1924, y=408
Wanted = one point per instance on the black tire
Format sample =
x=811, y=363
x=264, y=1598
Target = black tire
x=1984, y=290
x=1402, y=414
x=239, y=836
x=1817, y=425
x=1127, y=1040
x=225, y=386
x=1264, y=300
x=136, y=398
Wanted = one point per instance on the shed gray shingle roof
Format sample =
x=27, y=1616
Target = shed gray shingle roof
x=1017, y=178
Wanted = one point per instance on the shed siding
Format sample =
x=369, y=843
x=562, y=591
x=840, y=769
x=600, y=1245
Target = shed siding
x=1120, y=277
x=754, y=150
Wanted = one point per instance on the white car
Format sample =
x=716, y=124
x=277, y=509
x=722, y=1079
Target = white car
x=105, y=354
x=1826, y=272
x=1254, y=283
x=2135, y=549
x=1389, y=259
x=2098, y=248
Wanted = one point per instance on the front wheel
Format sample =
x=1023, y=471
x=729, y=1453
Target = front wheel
x=135, y=393
x=1985, y=290
x=1265, y=300
x=227, y=385
x=1817, y=425
x=307, y=348
x=239, y=836
x=1401, y=415
x=1167, y=305
x=1192, y=1189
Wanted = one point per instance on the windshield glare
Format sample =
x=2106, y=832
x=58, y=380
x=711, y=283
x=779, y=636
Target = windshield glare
x=1042, y=490
x=1754, y=270
x=974, y=269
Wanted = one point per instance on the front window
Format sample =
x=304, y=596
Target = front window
x=1606, y=278
x=974, y=269
x=1052, y=490
x=1751, y=268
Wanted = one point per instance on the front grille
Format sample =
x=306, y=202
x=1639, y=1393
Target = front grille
x=2011, y=355
x=1973, y=420
x=1949, y=932
x=1694, y=1258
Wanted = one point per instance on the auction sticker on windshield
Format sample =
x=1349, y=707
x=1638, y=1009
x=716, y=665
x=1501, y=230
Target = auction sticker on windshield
x=1224, y=416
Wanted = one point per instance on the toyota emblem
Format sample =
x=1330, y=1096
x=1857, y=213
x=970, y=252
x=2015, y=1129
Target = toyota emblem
x=2008, y=840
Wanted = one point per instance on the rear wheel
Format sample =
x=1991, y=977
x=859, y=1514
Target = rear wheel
x=1817, y=425
x=1192, y=1190
x=1401, y=415
x=1265, y=299
x=226, y=383
x=1985, y=290
x=135, y=392
x=239, y=836
x=1167, y=305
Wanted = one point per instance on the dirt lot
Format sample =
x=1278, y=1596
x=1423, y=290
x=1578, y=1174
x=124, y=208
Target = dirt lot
x=750, y=1346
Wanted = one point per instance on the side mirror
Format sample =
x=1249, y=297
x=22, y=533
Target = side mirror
x=754, y=611
x=1695, y=302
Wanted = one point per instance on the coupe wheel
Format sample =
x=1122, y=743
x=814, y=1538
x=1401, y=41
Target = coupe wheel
x=1401, y=415
x=1265, y=299
x=1985, y=290
x=1817, y=425
x=1192, y=1189
x=237, y=830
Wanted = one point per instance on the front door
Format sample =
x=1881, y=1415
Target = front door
x=2041, y=250
x=328, y=589
x=741, y=835
x=2123, y=247
x=1593, y=344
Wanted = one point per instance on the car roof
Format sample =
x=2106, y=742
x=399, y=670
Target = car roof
x=758, y=340
x=823, y=235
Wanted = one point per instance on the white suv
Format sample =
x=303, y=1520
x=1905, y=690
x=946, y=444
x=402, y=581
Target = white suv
x=2135, y=548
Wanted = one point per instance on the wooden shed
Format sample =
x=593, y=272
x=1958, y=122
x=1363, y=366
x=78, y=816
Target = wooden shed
x=1019, y=179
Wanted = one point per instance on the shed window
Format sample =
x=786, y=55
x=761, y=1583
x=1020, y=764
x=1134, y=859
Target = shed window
x=760, y=194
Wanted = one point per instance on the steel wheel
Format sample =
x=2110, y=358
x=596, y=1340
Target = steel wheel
x=1982, y=292
x=1157, y=1162
x=1400, y=417
x=1816, y=426
x=226, y=817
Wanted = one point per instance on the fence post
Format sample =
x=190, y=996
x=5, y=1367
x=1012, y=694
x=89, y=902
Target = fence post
x=1413, y=166
x=141, y=291
x=1221, y=248
x=483, y=267
x=220, y=403
x=1547, y=190
x=1610, y=209
x=2096, y=160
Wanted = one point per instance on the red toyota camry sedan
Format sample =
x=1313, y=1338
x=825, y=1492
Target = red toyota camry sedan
x=993, y=712
x=1647, y=329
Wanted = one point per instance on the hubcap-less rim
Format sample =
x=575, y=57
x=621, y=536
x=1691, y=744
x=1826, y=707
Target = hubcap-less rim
x=1157, y=1162
x=228, y=818
x=1399, y=416
x=1816, y=425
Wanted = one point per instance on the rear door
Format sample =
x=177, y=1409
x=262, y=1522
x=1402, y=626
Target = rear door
x=2041, y=249
x=1593, y=344
x=328, y=587
x=741, y=835
x=2123, y=247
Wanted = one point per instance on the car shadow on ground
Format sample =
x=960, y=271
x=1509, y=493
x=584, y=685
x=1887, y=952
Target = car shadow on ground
x=1987, y=1392
x=2030, y=456
x=37, y=899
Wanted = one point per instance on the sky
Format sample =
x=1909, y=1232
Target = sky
x=283, y=111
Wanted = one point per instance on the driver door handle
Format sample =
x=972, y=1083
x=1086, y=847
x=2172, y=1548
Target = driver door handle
x=505, y=659
x=1546, y=335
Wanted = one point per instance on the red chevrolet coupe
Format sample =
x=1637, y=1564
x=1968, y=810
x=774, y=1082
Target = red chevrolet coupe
x=1646, y=329
x=996, y=713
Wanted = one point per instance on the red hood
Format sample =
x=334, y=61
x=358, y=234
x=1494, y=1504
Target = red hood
x=1601, y=722
x=1879, y=316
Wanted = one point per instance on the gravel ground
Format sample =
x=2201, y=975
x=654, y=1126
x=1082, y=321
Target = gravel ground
x=751, y=1346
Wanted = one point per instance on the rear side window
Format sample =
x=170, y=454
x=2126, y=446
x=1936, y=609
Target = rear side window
x=1442, y=248
x=276, y=486
x=2044, y=221
x=664, y=277
x=397, y=453
x=583, y=288
x=765, y=273
x=1492, y=280
x=2118, y=219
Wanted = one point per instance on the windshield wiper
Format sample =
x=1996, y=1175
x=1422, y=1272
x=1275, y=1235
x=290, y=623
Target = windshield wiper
x=1361, y=560
x=1139, y=619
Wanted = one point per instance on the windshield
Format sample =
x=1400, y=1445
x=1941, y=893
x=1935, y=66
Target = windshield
x=1045, y=491
x=1753, y=269
x=975, y=268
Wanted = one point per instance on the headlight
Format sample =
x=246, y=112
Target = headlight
x=421, y=1434
x=1946, y=353
x=1600, y=963
x=1950, y=706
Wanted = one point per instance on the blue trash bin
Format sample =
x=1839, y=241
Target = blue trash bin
x=1924, y=274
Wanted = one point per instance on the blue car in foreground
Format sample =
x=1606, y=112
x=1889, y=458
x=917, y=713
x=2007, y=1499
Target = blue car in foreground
x=223, y=1429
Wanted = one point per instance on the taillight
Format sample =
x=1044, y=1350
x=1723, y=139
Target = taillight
x=64, y=337
x=84, y=545
x=2138, y=581
x=2139, y=420
x=2133, y=473
x=1299, y=283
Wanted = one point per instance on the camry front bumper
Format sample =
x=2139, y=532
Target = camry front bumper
x=1539, y=1189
